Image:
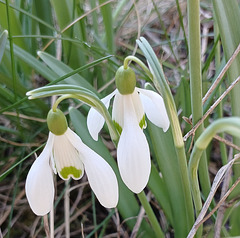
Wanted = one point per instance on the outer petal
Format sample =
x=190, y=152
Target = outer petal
x=133, y=153
x=100, y=175
x=95, y=120
x=39, y=183
x=155, y=109
x=66, y=157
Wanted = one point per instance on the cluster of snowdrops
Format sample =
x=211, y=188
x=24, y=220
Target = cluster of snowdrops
x=66, y=155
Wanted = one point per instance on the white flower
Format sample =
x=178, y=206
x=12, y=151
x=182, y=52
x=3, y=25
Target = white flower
x=68, y=156
x=133, y=153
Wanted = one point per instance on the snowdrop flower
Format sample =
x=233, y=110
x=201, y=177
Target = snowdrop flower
x=129, y=107
x=67, y=155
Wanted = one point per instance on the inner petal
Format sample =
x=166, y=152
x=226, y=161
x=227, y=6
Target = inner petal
x=138, y=107
x=117, y=111
x=67, y=159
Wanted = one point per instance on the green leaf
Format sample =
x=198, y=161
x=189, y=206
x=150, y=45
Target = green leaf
x=34, y=63
x=3, y=41
x=66, y=14
x=61, y=69
x=228, y=18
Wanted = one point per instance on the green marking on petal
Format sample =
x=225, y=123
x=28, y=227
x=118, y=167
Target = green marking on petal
x=70, y=171
x=118, y=127
x=142, y=123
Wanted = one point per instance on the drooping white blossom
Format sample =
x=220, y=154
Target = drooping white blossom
x=68, y=156
x=128, y=114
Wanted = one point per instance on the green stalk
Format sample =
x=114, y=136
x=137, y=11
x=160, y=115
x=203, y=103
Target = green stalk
x=184, y=224
x=151, y=216
x=130, y=58
x=196, y=84
x=223, y=148
x=11, y=51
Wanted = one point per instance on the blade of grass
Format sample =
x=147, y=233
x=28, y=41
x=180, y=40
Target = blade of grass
x=43, y=12
x=107, y=19
x=196, y=85
x=228, y=16
x=3, y=41
x=61, y=69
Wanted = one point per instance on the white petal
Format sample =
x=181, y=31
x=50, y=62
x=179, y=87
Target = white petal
x=117, y=111
x=133, y=153
x=66, y=157
x=101, y=178
x=100, y=175
x=39, y=183
x=95, y=120
x=155, y=109
x=138, y=107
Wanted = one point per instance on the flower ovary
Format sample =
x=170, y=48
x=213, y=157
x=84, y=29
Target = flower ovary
x=57, y=122
x=125, y=80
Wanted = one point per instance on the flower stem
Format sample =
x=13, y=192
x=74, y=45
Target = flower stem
x=52, y=223
x=139, y=62
x=151, y=216
x=58, y=101
x=67, y=210
x=196, y=84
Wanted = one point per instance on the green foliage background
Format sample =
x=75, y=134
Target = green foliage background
x=83, y=43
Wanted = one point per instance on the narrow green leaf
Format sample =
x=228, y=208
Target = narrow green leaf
x=228, y=17
x=107, y=19
x=65, y=14
x=34, y=63
x=3, y=41
x=44, y=12
x=62, y=69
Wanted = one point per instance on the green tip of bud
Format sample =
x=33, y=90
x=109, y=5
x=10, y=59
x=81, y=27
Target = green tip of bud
x=57, y=122
x=125, y=80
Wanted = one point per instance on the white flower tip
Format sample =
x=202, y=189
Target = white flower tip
x=94, y=136
x=137, y=190
x=95, y=122
x=166, y=126
x=39, y=53
x=109, y=203
x=136, y=186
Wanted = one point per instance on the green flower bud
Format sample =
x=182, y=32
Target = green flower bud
x=57, y=122
x=125, y=80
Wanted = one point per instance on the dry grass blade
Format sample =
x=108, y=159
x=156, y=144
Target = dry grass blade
x=227, y=142
x=192, y=131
